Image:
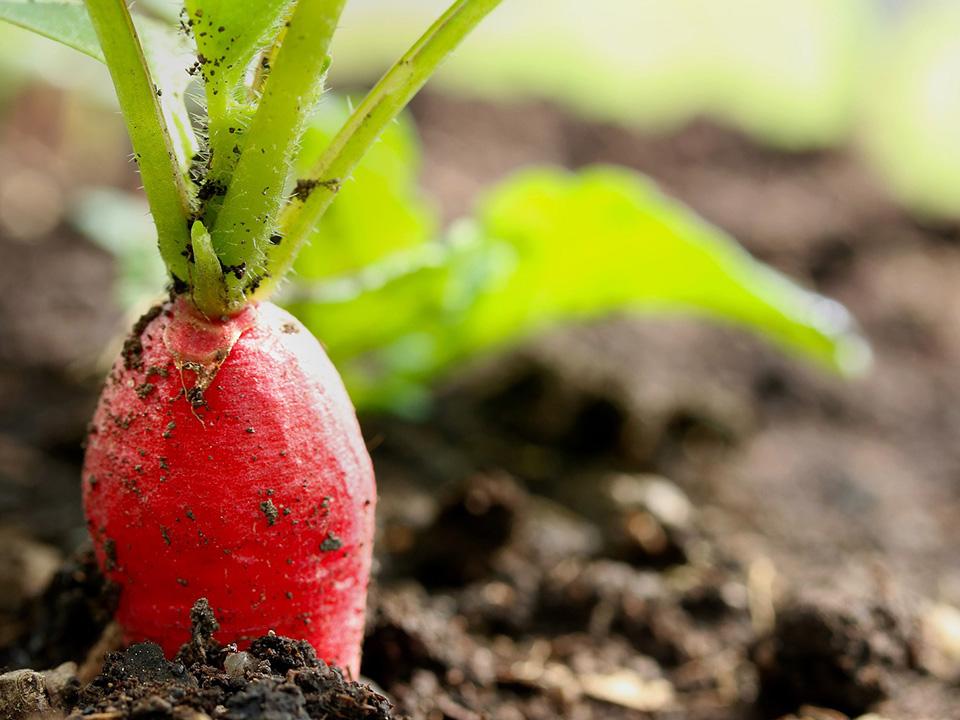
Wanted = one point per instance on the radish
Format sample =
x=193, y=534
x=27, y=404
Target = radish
x=253, y=490
x=225, y=460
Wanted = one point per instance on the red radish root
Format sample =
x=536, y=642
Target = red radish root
x=225, y=461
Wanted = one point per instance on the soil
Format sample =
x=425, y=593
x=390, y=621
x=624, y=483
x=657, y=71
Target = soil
x=639, y=517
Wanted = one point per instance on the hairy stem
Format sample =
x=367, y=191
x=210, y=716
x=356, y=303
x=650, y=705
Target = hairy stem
x=247, y=219
x=163, y=181
x=218, y=137
x=381, y=105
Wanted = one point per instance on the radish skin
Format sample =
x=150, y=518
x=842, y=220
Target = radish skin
x=225, y=461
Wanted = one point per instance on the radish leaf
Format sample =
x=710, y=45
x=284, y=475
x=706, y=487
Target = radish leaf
x=607, y=238
x=65, y=22
x=550, y=246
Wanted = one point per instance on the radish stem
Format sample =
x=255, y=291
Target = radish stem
x=247, y=219
x=381, y=105
x=163, y=182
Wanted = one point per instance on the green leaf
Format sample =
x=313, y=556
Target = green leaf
x=607, y=239
x=392, y=327
x=65, y=22
x=228, y=35
x=351, y=236
x=549, y=247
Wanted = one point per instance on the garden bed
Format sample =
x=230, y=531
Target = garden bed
x=642, y=515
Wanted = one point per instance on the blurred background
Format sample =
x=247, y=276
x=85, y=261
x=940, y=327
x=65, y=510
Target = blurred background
x=796, y=530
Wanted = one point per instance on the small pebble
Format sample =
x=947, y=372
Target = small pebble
x=23, y=694
x=239, y=663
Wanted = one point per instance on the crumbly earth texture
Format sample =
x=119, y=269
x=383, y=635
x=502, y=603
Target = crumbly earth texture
x=276, y=678
x=638, y=518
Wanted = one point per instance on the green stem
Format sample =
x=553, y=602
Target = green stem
x=163, y=181
x=383, y=103
x=207, y=287
x=247, y=219
x=218, y=137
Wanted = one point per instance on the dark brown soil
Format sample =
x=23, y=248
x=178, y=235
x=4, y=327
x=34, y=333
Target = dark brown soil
x=639, y=517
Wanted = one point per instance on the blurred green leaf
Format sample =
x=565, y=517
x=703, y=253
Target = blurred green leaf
x=27, y=57
x=393, y=326
x=607, y=238
x=65, y=22
x=380, y=210
x=550, y=246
